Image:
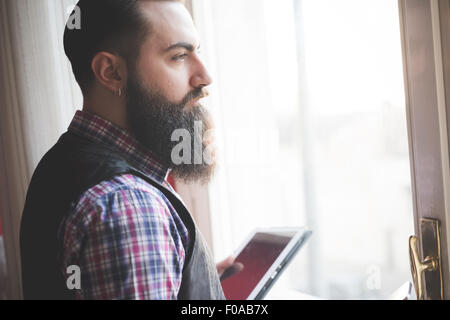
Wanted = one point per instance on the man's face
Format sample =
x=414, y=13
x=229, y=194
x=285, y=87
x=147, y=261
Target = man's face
x=169, y=60
x=164, y=87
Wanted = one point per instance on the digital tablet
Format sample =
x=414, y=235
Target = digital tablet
x=262, y=258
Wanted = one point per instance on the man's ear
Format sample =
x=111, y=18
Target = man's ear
x=110, y=70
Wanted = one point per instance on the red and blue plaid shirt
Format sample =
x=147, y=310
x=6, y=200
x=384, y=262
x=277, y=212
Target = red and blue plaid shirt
x=123, y=234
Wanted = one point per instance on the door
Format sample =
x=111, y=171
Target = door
x=426, y=47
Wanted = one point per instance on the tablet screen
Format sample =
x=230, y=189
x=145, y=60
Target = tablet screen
x=257, y=257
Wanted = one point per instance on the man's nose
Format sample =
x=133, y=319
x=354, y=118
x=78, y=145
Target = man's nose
x=201, y=77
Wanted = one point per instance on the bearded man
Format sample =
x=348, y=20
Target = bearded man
x=100, y=220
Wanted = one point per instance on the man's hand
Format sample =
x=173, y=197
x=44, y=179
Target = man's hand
x=228, y=268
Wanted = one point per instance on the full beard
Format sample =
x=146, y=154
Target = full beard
x=153, y=119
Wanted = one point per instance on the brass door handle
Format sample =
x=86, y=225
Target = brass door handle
x=418, y=267
x=427, y=273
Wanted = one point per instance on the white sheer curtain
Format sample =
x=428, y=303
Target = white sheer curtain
x=37, y=101
x=252, y=97
x=309, y=106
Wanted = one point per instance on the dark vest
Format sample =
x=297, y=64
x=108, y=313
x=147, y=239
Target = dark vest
x=67, y=170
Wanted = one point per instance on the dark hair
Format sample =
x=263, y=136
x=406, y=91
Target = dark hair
x=115, y=26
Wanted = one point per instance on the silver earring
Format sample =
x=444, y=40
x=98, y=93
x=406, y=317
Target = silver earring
x=120, y=92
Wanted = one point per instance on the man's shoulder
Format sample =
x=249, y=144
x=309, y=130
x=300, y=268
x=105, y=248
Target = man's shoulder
x=124, y=185
x=123, y=198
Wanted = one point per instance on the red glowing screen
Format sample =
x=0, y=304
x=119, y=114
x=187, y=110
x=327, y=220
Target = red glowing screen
x=257, y=257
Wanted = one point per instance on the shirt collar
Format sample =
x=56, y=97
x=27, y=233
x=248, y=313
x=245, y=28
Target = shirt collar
x=97, y=129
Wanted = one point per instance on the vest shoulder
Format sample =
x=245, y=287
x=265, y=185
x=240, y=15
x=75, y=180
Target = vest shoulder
x=79, y=155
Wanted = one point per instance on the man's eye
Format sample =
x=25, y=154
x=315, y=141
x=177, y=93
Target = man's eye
x=180, y=57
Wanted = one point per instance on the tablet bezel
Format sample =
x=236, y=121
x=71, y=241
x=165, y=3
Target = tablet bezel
x=273, y=272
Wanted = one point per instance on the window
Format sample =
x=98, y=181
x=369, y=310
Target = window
x=309, y=107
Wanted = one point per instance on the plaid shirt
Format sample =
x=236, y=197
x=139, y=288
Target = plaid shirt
x=125, y=236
